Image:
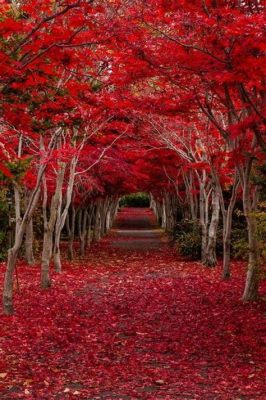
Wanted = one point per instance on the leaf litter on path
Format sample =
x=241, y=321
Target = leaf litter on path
x=132, y=324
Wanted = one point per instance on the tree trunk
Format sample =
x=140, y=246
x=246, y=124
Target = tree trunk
x=71, y=233
x=61, y=217
x=8, y=282
x=89, y=213
x=97, y=221
x=104, y=209
x=13, y=252
x=227, y=246
x=29, y=243
x=203, y=223
x=29, y=236
x=164, y=215
x=82, y=225
x=227, y=229
x=49, y=229
x=210, y=255
x=113, y=211
x=252, y=277
x=57, y=237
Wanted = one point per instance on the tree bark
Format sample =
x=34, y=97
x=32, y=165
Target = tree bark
x=61, y=216
x=82, y=225
x=164, y=215
x=89, y=213
x=29, y=237
x=49, y=229
x=8, y=307
x=97, y=221
x=252, y=277
x=203, y=221
x=227, y=228
x=104, y=210
x=71, y=232
x=210, y=254
x=13, y=252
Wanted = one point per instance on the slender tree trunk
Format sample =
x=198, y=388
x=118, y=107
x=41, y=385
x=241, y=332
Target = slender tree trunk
x=82, y=225
x=97, y=222
x=57, y=237
x=61, y=216
x=71, y=233
x=49, y=229
x=164, y=215
x=89, y=213
x=104, y=209
x=29, y=243
x=17, y=206
x=252, y=277
x=160, y=214
x=210, y=255
x=203, y=223
x=108, y=218
x=113, y=211
x=227, y=229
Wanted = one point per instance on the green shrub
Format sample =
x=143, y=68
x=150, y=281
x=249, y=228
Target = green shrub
x=240, y=235
x=139, y=199
x=3, y=246
x=187, y=237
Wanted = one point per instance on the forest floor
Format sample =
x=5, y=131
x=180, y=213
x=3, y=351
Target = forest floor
x=132, y=320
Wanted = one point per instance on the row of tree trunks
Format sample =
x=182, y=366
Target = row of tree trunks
x=165, y=210
x=22, y=223
x=14, y=250
x=90, y=223
x=209, y=211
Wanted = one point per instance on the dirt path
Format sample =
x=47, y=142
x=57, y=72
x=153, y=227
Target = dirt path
x=132, y=321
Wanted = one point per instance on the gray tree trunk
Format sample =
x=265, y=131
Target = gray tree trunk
x=249, y=204
x=13, y=252
x=29, y=238
x=227, y=228
x=210, y=254
x=71, y=223
x=89, y=213
x=82, y=228
x=97, y=221
x=49, y=229
x=61, y=216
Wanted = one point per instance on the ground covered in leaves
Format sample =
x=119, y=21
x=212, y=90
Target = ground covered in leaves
x=133, y=321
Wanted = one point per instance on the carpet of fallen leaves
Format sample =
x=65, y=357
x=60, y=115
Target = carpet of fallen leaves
x=132, y=324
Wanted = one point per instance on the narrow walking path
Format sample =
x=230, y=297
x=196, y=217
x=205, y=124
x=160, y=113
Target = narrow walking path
x=132, y=321
x=136, y=229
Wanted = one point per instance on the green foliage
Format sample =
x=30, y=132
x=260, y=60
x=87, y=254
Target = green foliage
x=187, y=236
x=17, y=168
x=258, y=178
x=261, y=229
x=139, y=199
x=240, y=236
x=3, y=246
